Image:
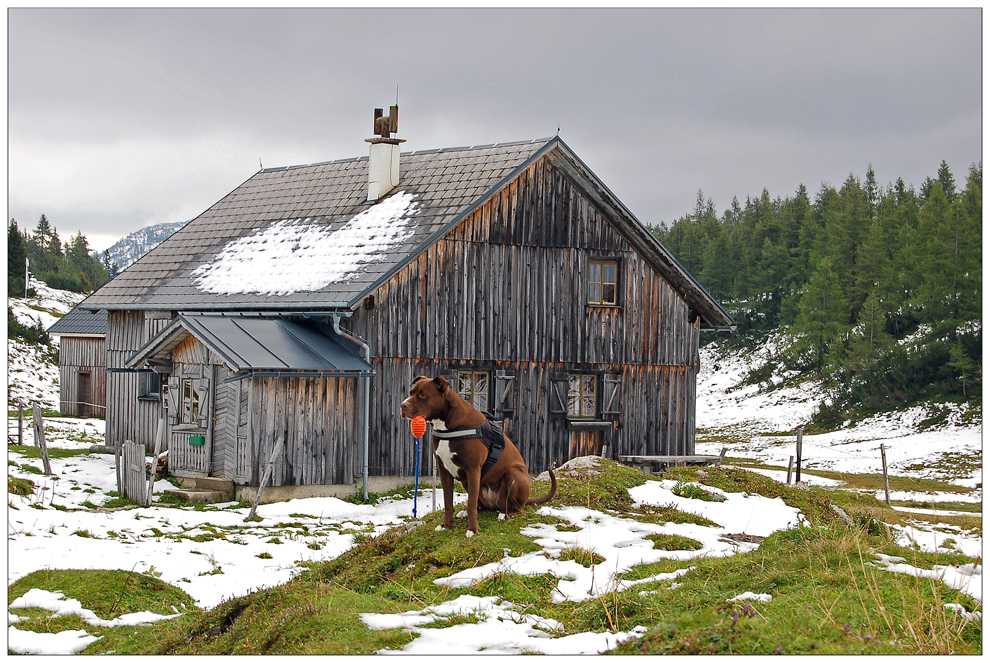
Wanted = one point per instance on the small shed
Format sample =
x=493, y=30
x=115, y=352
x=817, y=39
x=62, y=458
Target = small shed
x=82, y=360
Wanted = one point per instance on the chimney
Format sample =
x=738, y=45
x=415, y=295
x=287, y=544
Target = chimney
x=383, y=160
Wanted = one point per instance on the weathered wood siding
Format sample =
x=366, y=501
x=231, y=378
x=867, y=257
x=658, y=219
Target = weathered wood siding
x=319, y=419
x=507, y=289
x=129, y=418
x=82, y=355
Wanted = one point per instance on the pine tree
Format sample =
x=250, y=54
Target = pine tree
x=16, y=255
x=822, y=317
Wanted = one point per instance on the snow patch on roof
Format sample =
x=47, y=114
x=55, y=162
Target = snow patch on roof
x=306, y=255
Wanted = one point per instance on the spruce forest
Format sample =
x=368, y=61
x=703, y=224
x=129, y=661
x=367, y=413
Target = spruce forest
x=876, y=290
x=65, y=266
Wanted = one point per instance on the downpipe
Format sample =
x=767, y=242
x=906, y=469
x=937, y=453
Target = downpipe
x=365, y=398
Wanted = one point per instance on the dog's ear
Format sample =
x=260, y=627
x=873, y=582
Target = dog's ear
x=418, y=378
x=441, y=383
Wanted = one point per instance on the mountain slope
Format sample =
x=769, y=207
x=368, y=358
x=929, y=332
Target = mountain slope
x=129, y=249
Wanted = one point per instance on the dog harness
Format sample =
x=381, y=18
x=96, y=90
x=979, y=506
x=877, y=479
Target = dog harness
x=491, y=436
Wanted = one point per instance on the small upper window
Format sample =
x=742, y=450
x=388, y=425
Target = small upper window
x=473, y=387
x=582, y=396
x=603, y=282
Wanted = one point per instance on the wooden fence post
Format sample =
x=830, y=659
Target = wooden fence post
x=886, y=481
x=159, y=435
x=20, y=424
x=268, y=472
x=39, y=438
x=790, y=465
x=117, y=458
x=800, y=435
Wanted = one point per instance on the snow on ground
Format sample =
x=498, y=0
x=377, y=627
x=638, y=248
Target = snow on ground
x=213, y=555
x=31, y=377
x=761, y=424
x=47, y=305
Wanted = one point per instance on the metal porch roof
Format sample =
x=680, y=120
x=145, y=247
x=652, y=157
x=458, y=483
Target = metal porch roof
x=261, y=345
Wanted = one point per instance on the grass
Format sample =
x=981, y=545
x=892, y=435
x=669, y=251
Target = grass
x=109, y=594
x=53, y=452
x=829, y=594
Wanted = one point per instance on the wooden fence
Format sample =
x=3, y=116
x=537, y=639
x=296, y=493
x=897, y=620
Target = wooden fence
x=133, y=473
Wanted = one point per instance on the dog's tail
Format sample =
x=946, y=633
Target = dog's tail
x=553, y=489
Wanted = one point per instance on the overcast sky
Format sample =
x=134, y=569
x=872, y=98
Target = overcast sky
x=121, y=118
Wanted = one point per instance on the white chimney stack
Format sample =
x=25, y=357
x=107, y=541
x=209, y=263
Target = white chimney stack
x=383, y=159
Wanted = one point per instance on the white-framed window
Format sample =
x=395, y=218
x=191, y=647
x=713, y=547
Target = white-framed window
x=582, y=395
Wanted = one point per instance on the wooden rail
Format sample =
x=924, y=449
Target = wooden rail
x=654, y=464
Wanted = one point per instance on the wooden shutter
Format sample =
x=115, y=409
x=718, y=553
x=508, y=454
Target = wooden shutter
x=202, y=389
x=559, y=385
x=174, y=387
x=612, y=396
x=504, y=396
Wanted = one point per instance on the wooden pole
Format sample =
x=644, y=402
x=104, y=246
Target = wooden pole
x=39, y=438
x=886, y=481
x=800, y=435
x=20, y=424
x=268, y=472
x=159, y=436
x=790, y=465
x=116, y=457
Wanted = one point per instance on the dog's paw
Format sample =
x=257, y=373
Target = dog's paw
x=469, y=534
x=501, y=516
x=461, y=514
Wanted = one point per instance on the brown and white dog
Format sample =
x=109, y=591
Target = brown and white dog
x=503, y=488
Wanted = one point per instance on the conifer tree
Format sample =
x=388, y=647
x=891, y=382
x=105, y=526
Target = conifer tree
x=822, y=317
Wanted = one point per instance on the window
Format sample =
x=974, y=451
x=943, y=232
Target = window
x=473, y=387
x=582, y=396
x=189, y=412
x=603, y=282
x=149, y=386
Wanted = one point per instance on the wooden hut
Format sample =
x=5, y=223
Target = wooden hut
x=82, y=362
x=509, y=268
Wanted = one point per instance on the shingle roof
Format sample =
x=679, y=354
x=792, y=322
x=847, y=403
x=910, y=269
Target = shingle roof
x=81, y=322
x=322, y=199
x=444, y=182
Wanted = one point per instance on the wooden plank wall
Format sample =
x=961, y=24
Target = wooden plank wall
x=655, y=417
x=319, y=417
x=127, y=417
x=507, y=289
x=76, y=354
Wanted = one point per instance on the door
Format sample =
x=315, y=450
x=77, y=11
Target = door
x=85, y=395
x=190, y=429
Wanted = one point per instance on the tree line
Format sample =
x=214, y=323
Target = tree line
x=877, y=289
x=63, y=265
